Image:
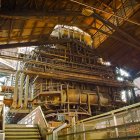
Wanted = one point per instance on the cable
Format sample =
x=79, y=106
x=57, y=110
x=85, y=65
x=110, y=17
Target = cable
x=93, y=8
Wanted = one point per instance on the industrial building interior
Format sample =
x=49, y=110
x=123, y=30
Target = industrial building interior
x=69, y=69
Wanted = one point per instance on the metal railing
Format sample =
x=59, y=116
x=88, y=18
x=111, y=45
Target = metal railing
x=54, y=134
x=43, y=87
x=47, y=64
x=36, y=117
x=118, y=124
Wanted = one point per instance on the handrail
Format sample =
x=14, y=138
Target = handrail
x=73, y=63
x=108, y=129
x=44, y=87
x=36, y=117
x=117, y=124
x=111, y=112
x=41, y=115
x=54, y=133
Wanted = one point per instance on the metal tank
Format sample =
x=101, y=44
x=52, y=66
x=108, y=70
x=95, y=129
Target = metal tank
x=76, y=96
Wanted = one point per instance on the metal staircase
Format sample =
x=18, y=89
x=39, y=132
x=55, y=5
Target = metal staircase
x=22, y=132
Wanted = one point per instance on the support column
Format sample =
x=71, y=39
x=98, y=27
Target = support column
x=20, y=95
x=26, y=92
x=83, y=128
x=115, y=124
x=127, y=96
x=32, y=91
x=14, y=104
x=89, y=107
x=134, y=95
x=98, y=94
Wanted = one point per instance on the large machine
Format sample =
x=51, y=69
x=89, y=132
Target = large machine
x=68, y=80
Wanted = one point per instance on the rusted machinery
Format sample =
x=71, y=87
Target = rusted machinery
x=67, y=80
x=7, y=89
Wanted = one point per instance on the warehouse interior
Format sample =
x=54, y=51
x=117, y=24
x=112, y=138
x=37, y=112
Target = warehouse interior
x=69, y=69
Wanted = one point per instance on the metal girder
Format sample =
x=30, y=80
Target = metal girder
x=38, y=14
x=129, y=39
x=7, y=70
x=36, y=43
x=11, y=57
x=114, y=37
x=62, y=40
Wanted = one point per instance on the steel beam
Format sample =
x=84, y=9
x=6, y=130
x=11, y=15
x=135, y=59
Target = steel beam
x=128, y=37
x=39, y=14
x=116, y=38
x=15, y=96
x=36, y=43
